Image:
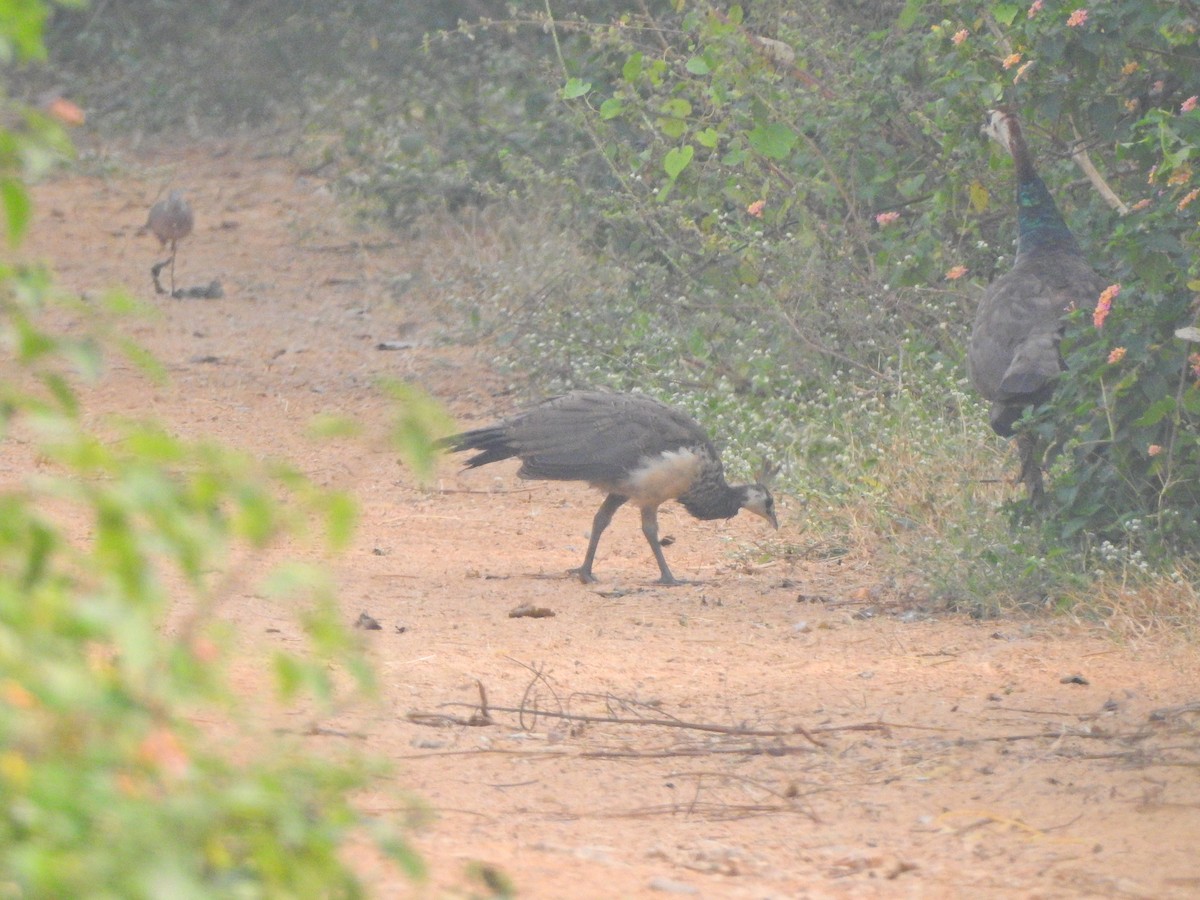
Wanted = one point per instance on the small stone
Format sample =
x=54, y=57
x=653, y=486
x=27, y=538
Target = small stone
x=367, y=623
x=671, y=886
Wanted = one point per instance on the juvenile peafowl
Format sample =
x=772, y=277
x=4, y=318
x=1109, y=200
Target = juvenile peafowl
x=632, y=448
x=170, y=220
x=1013, y=357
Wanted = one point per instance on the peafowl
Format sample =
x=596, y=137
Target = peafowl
x=1013, y=358
x=170, y=221
x=628, y=446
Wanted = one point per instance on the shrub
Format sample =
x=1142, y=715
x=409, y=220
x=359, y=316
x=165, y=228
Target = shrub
x=108, y=787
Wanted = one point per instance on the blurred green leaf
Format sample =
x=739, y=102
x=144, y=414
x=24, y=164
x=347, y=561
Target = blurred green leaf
x=677, y=159
x=774, y=140
x=420, y=420
x=908, y=15
x=575, y=87
x=1004, y=13
x=611, y=108
x=18, y=208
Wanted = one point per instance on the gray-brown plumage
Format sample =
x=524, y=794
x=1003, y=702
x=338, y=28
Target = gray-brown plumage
x=1013, y=358
x=170, y=220
x=632, y=448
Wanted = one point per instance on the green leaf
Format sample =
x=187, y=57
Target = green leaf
x=908, y=15
x=289, y=675
x=331, y=425
x=698, y=65
x=420, y=420
x=17, y=208
x=1156, y=412
x=677, y=160
x=611, y=108
x=672, y=128
x=709, y=138
x=676, y=108
x=774, y=141
x=341, y=516
x=1191, y=402
x=1004, y=13
x=632, y=70
x=735, y=157
x=673, y=119
x=574, y=88
x=979, y=196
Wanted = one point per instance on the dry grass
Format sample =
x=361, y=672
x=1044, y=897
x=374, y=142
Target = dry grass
x=1136, y=605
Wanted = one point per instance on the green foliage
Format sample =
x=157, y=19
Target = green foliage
x=420, y=419
x=108, y=786
x=1115, y=84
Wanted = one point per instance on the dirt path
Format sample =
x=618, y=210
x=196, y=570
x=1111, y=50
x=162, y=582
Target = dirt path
x=783, y=730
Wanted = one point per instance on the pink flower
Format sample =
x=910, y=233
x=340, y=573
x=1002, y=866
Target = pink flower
x=1077, y=18
x=756, y=208
x=1034, y=9
x=961, y=35
x=1141, y=204
x=1153, y=450
x=1104, y=304
x=1012, y=60
x=884, y=219
x=956, y=273
x=1116, y=356
x=1194, y=362
x=1188, y=198
x=1190, y=103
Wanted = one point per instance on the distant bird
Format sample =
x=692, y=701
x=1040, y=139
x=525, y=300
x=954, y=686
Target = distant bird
x=170, y=221
x=631, y=447
x=1013, y=358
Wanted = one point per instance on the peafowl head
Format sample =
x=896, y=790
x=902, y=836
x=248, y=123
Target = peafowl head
x=1001, y=126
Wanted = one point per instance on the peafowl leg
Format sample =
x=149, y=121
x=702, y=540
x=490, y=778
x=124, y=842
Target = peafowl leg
x=650, y=530
x=174, y=245
x=1031, y=467
x=604, y=515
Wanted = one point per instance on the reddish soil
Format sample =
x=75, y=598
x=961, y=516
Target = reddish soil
x=780, y=729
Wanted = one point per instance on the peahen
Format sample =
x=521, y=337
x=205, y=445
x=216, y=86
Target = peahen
x=1013, y=358
x=632, y=448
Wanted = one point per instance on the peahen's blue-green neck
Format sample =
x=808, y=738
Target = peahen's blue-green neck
x=1040, y=225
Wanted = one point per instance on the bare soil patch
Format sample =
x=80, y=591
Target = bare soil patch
x=780, y=729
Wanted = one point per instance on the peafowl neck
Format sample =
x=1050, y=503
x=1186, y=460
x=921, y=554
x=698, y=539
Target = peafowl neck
x=1040, y=226
x=711, y=497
